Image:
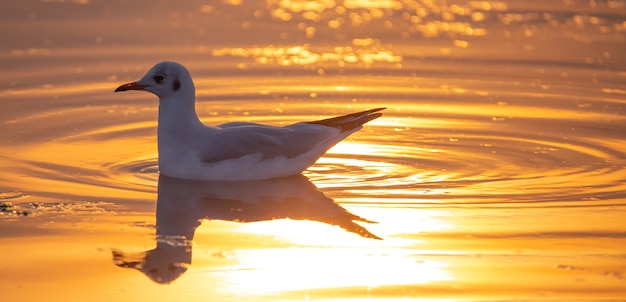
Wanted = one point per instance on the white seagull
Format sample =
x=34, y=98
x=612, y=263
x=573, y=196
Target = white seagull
x=189, y=149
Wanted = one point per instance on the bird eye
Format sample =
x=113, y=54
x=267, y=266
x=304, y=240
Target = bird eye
x=158, y=78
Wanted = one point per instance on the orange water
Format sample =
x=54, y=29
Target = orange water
x=496, y=173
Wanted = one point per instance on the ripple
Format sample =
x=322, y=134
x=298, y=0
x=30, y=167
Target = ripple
x=138, y=171
x=471, y=159
x=491, y=141
x=4, y=196
x=42, y=208
x=481, y=166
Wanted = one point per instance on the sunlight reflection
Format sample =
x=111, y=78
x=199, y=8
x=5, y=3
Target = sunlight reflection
x=365, y=54
x=49, y=89
x=62, y=1
x=372, y=168
x=279, y=270
x=430, y=18
x=392, y=223
x=355, y=261
x=358, y=149
x=504, y=131
x=317, y=233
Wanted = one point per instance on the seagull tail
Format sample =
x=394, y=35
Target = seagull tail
x=350, y=121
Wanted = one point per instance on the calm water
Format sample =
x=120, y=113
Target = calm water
x=497, y=172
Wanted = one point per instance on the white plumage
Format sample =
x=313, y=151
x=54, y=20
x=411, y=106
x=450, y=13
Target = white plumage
x=188, y=149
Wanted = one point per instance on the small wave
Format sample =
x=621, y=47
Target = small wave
x=446, y=142
x=42, y=208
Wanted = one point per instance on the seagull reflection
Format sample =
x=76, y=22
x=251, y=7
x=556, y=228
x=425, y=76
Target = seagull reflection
x=182, y=204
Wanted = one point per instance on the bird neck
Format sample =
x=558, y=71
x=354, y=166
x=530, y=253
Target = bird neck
x=177, y=115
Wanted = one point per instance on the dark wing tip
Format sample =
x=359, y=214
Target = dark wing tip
x=351, y=121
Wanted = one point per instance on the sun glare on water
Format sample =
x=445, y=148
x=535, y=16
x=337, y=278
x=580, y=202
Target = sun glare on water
x=317, y=249
x=310, y=268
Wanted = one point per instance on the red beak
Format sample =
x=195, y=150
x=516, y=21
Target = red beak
x=130, y=86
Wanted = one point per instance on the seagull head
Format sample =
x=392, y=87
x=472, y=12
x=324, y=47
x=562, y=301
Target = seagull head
x=165, y=79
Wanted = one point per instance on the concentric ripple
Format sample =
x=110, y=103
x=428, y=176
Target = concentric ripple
x=497, y=169
x=496, y=173
x=443, y=142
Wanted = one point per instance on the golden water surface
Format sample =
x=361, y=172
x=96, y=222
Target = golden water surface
x=498, y=171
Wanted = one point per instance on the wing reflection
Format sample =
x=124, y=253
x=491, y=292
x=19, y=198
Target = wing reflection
x=182, y=204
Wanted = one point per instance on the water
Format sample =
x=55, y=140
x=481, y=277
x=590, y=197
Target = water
x=496, y=173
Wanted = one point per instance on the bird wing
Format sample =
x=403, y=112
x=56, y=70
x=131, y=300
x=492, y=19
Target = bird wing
x=238, y=139
x=235, y=140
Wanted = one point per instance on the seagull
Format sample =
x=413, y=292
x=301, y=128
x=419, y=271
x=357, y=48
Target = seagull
x=236, y=151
